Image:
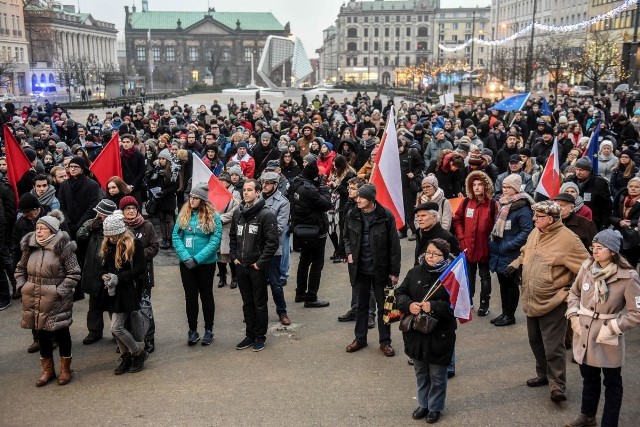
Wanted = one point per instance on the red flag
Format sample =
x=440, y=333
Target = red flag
x=108, y=162
x=219, y=196
x=551, y=180
x=17, y=162
x=386, y=173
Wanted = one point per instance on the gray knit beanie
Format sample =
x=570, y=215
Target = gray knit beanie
x=52, y=220
x=165, y=154
x=610, y=239
x=431, y=180
x=201, y=191
x=368, y=191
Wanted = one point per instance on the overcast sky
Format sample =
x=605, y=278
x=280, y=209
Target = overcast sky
x=308, y=17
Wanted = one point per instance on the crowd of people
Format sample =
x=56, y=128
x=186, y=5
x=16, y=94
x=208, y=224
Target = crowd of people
x=298, y=174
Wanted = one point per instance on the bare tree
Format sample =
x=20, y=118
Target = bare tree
x=7, y=67
x=554, y=56
x=501, y=65
x=66, y=74
x=600, y=58
x=214, y=59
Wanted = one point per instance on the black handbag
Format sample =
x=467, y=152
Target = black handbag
x=151, y=206
x=306, y=231
x=423, y=322
x=630, y=237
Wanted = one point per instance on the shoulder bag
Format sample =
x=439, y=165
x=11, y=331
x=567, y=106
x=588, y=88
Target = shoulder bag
x=423, y=322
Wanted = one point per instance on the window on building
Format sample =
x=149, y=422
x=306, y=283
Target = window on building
x=352, y=46
x=193, y=54
x=156, y=53
x=481, y=50
x=397, y=18
x=376, y=19
x=366, y=19
x=375, y=32
x=366, y=32
x=141, y=53
x=422, y=46
x=420, y=18
x=454, y=38
x=407, y=61
x=16, y=57
x=348, y=20
x=43, y=78
x=386, y=32
x=355, y=19
x=352, y=32
x=408, y=31
x=467, y=25
x=480, y=62
x=397, y=46
x=226, y=54
x=376, y=46
x=408, y=46
x=21, y=54
x=481, y=37
x=375, y=61
x=355, y=62
x=397, y=31
x=467, y=49
x=386, y=61
x=423, y=32
x=247, y=54
x=365, y=46
x=386, y=18
x=348, y=62
x=170, y=51
x=386, y=46
x=441, y=27
x=441, y=38
x=455, y=25
x=365, y=61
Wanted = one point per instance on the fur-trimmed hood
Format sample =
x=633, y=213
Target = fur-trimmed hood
x=478, y=175
x=60, y=244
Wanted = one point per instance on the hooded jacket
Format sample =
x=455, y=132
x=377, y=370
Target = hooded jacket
x=473, y=220
x=46, y=277
x=254, y=237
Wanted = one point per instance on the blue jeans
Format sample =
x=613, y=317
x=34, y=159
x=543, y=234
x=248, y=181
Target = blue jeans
x=431, y=385
x=286, y=254
x=452, y=365
x=275, y=281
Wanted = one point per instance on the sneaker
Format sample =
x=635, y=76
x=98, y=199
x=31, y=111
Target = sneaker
x=194, y=337
x=258, y=346
x=484, y=308
x=349, y=316
x=245, y=343
x=5, y=304
x=208, y=337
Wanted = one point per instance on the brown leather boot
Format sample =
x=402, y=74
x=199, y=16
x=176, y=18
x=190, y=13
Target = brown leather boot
x=65, y=371
x=48, y=371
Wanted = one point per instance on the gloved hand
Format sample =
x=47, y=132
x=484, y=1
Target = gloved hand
x=575, y=325
x=191, y=263
x=607, y=336
x=510, y=271
x=111, y=284
x=159, y=195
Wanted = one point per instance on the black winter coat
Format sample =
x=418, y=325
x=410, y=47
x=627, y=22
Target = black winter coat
x=254, y=236
x=9, y=206
x=595, y=193
x=618, y=182
x=91, y=237
x=77, y=199
x=133, y=169
x=309, y=203
x=146, y=233
x=436, y=232
x=167, y=200
x=262, y=155
x=452, y=183
x=128, y=290
x=383, y=239
x=437, y=347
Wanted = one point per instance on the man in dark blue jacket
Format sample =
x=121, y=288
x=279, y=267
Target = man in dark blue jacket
x=254, y=239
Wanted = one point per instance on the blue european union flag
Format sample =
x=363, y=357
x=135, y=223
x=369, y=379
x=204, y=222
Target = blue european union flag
x=544, y=107
x=594, y=147
x=514, y=103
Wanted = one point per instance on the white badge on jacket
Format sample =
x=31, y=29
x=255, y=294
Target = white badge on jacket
x=470, y=212
x=507, y=225
x=188, y=242
x=587, y=197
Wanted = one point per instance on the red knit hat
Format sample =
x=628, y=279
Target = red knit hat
x=127, y=201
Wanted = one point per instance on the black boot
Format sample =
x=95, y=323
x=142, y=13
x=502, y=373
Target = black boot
x=223, y=282
x=165, y=244
x=234, y=283
x=125, y=364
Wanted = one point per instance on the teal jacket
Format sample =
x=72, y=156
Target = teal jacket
x=204, y=247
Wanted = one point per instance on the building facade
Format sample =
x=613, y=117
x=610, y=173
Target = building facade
x=328, y=56
x=454, y=26
x=14, y=58
x=63, y=42
x=376, y=38
x=174, y=49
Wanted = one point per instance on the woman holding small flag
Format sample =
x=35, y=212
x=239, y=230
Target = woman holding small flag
x=431, y=353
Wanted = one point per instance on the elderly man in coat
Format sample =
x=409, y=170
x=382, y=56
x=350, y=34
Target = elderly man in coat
x=551, y=258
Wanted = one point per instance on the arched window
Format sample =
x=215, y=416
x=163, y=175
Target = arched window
x=352, y=32
x=43, y=78
x=423, y=32
x=34, y=81
x=352, y=46
x=52, y=78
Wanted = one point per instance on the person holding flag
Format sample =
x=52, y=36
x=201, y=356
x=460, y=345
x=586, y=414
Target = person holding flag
x=431, y=353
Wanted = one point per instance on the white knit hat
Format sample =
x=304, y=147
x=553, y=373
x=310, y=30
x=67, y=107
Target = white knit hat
x=114, y=225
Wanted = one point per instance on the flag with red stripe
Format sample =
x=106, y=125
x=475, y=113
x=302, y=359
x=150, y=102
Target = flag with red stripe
x=17, y=162
x=386, y=175
x=455, y=279
x=108, y=163
x=219, y=196
x=551, y=180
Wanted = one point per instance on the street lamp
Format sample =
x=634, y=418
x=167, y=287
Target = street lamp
x=473, y=45
x=527, y=83
x=513, y=27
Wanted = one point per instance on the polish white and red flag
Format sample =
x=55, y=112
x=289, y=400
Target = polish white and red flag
x=455, y=279
x=551, y=180
x=219, y=196
x=386, y=175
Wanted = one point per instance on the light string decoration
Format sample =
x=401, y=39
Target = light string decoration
x=543, y=27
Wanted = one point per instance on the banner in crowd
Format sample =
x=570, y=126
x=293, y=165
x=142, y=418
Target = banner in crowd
x=513, y=103
x=594, y=148
x=219, y=196
x=17, y=162
x=386, y=175
x=551, y=180
x=455, y=279
x=108, y=163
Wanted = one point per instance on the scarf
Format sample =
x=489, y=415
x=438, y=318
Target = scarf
x=628, y=204
x=437, y=197
x=135, y=222
x=46, y=241
x=600, y=276
x=579, y=204
x=439, y=267
x=47, y=197
x=128, y=154
x=505, y=206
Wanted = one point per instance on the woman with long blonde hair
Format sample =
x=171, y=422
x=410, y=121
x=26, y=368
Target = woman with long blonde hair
x=197, y=236
x=123, y=266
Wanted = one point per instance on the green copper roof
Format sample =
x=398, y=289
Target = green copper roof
x=252, y=21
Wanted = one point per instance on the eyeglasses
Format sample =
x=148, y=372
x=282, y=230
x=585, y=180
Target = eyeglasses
x=597, y=248
x=73, y=167
x=426, y=187
x=537, y=217
x=433, y=254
